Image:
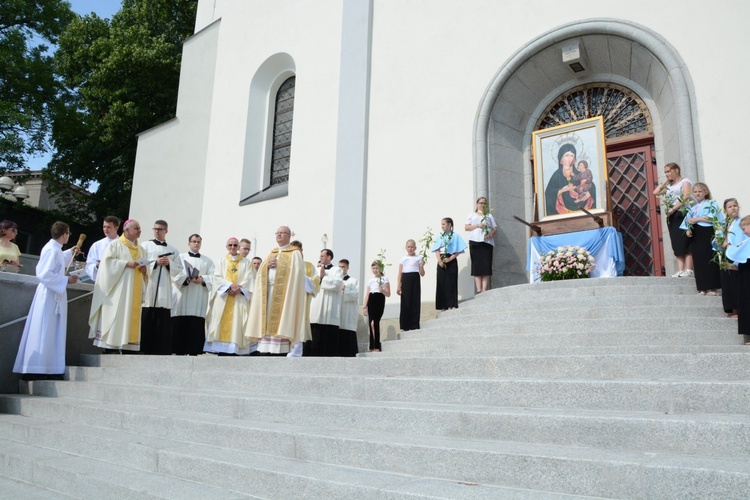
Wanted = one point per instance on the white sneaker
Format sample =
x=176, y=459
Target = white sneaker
x=687, y=273
x=677, y=274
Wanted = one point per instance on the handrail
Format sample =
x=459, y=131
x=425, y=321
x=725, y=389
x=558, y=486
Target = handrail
x=10, y=323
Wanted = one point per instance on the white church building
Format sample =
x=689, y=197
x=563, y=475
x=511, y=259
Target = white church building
x=361, y=123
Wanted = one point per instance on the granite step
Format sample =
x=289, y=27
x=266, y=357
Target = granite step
x=648, y=366
x=617, y=474
x=711, y=435
x=61, y=455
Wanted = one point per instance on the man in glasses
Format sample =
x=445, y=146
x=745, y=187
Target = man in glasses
x=278, y=313
x=230, y=300
x=164, y=270
x=191, y=300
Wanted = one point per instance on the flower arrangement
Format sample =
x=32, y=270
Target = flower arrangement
x=669, y=201
x=721, y=225
x=486, y=228
x=426, y=241
x=568, y=262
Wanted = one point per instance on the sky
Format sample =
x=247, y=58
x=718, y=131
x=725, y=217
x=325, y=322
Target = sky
x=103, y=9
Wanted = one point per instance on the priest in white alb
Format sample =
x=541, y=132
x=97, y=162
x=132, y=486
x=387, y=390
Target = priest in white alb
x=110, y=226
x=277, y=315
x=115, y=318
x=191, y=300
x=229, y=303
x=41, y=353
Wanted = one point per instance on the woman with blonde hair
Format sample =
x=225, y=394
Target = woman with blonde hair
x=676, y=191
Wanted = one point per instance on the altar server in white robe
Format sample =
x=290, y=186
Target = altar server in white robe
x=41, y=353
x=229, y=304
x=325, y=308
x=110, y=226
x=191, y=300
x=115, y=318
x=348, y=345
x=164, y=270
x=277, y=315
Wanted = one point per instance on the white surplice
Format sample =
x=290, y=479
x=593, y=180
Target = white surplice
x=161, y=278
x=325, y=308
x=42, y=348
x=349, y=305
x=191, y=299
x=95, y=255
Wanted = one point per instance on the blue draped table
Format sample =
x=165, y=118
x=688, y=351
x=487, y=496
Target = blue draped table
x=604, y=244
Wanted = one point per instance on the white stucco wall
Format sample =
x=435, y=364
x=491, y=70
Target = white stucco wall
x=432, y=61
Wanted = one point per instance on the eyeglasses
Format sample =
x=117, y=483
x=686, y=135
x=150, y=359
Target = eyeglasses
x=232, y=245
x=283, y=232
x=481, y=203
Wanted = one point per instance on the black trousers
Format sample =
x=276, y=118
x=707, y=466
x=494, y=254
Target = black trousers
x=375, y=308
x=156, y=331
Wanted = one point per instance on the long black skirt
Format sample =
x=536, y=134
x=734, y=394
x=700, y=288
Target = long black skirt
x=481, y=258
x=706, y=272
x=375, y=308
x=411, y=301
x=743, y=304
x=446, y=291
x=188, y=335
x=729, y=290
x=680, y=241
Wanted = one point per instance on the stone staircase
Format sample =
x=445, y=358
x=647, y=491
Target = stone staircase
x=619, y=388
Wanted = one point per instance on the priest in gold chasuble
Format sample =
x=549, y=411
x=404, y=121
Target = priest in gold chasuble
x=229, y=304
x=278, y=313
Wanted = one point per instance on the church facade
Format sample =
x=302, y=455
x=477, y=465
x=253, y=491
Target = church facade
x=361, y=123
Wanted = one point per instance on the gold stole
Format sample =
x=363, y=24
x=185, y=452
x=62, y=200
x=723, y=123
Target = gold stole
x=135, y=310
x=227, y=317
x=283, y=263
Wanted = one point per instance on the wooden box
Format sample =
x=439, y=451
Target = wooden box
x=573, y=224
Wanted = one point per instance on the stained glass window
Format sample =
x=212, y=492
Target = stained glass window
x=282, y=132
x=623, y=111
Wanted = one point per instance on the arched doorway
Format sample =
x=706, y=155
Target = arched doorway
x=617, y=52
x=631, y=157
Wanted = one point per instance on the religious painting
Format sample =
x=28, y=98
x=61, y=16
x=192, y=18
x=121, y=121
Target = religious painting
x=570, y=169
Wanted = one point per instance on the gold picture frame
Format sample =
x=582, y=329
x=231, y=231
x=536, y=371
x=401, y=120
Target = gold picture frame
x=570, y=169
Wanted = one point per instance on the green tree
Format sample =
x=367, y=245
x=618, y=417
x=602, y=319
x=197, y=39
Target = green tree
x=27, y=81
x=121, y=78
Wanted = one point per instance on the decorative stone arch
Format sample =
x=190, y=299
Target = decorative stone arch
x=616, y=51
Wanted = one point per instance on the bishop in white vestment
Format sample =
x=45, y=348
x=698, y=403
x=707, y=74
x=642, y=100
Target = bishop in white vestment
x=115, y=318
x=42, y=348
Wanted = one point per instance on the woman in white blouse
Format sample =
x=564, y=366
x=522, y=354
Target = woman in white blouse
x=482, y=229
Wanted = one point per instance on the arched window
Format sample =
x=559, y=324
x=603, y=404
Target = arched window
x=268, y=137
x=282, y=132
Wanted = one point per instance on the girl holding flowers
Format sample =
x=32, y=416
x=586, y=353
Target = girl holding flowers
x=447, y=247
x=731, y=234
x=698, y=225
x=739, y=252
